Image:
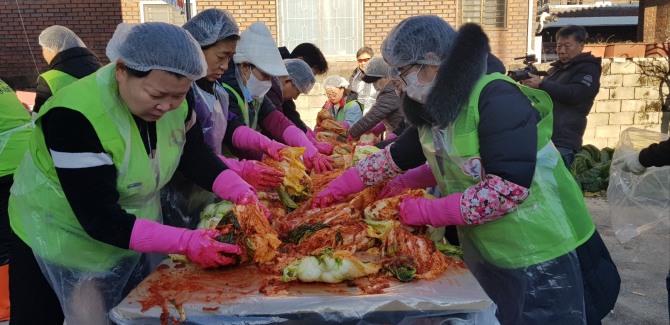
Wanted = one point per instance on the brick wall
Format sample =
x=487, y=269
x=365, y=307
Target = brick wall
x=93, y=21
x=654, y=21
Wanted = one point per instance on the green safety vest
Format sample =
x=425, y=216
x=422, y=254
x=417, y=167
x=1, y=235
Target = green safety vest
x=38, y=209
x=57, y=79
x=15, y=129
x=340, y=115
x=244, y=107
x=551, y=222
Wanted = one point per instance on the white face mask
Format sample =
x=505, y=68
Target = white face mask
x=377, y=86
x=258, y=88
x=417, y=91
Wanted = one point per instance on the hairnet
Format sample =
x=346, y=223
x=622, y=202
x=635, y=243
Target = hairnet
x=211, y=26
x=335, y=81
x=160, y=46
x=59, y=38
x=418, y=40
x=377, y=67
x=257, y=47
x=301, y=74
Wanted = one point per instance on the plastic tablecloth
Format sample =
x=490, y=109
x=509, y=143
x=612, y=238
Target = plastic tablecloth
x=231, y=296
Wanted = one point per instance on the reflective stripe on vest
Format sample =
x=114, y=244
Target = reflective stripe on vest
x=15, y=129
x=39, y=211
x=553, y=220
x=57, y=79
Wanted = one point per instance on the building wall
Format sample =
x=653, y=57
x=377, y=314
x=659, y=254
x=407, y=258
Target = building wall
x=93, y=20
x=654, y=24
x=626, y=99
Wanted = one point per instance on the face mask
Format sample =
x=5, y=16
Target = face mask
x=417, y=91
x=258, y=88
x=376, y=86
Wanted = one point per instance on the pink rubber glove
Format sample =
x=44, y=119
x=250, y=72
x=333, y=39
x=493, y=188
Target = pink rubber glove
x=378, y=129
x=312, y=158
x=347, y=183
x=324, y=148
x=350, y=137
x=344, y=124
x=246, y=138
x=441, y=212
x=230, y=186
x=256, y=173
x=415, y=178
x=391, y=136
x=198, y=245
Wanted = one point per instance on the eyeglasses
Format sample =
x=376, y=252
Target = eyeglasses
x=404, y=73
x=363, y=60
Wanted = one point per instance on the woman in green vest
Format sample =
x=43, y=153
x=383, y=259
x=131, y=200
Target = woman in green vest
x=346, y=112
x=15, y=129
x=68, y=60
x=486, y=140
x=85, y=203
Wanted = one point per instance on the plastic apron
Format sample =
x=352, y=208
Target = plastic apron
x=527, y=256
x=212, y=112
x=181, y=199
x=90, y=277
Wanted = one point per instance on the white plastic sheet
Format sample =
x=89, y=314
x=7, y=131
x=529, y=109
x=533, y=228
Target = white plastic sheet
x=638, y=202
x=231, y=296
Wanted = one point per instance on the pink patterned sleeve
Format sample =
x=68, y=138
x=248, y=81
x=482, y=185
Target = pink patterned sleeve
x=490, y=199
x=377, y=167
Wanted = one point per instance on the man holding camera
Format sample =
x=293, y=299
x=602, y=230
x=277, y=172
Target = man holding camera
x=572, y=82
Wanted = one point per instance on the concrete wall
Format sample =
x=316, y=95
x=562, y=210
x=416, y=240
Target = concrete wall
x=626, y=99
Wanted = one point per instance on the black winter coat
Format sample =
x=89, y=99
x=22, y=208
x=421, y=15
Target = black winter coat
x=572, y=86
x=657, y=154
x=78, y=62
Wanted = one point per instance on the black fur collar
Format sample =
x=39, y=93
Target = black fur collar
x=458, y=74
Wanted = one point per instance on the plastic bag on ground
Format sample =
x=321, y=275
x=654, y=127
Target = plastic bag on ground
x=638, y=202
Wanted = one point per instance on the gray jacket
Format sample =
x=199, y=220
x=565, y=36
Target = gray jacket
x=386, y=109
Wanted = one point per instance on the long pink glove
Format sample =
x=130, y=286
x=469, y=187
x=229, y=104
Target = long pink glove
x=378, y=129
x=259, y=175
x=313, y=159
x=198, y=245
x=230, y=186
x=323, y=147
x=419, y=177
x=391, y=136
x=347, y=183
x=246, y=138
x=441, y=212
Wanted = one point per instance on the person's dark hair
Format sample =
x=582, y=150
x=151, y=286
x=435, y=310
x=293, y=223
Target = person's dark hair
x=366, y=50
x=141, y=74
x=578, y=32
x=229, y=38
x=312, y=55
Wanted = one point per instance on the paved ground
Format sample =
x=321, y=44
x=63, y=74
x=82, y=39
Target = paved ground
x=643, y=264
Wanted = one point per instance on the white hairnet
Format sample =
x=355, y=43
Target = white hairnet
x=377, y=67
x=257, y=47
x=335, y=81
x=211, y=26
x=160, y=46
x=418, y=40
x=301, y=74
x=59, y=38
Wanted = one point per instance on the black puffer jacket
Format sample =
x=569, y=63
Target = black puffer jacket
x=385, y=109
x=507, y=131
x=78, y=62
x=572, y=86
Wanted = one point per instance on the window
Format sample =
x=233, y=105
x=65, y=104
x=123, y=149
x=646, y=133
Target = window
x=162, y=12
x=488, y=13
x=335, y=26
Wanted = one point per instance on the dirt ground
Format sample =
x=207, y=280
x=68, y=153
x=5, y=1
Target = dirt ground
x=643, y=264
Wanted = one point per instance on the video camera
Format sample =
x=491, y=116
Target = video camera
x=522, y=74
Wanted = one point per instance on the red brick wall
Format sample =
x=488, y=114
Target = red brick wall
x=93, y=21
x=654, y=21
